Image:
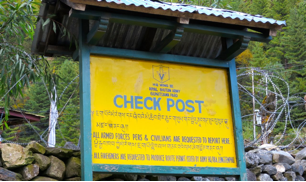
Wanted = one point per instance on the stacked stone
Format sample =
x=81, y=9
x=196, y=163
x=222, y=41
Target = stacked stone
x=264, y=165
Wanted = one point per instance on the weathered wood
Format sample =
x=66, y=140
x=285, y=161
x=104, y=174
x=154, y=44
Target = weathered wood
x=170, y=41
x=168, y=24
x=171, y=13
x=148, y=39
x=97, y=32
x=183, y=20
x=234, y=50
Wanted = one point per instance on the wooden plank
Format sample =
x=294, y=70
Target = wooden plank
x=163, y=170
x=148, y=38
x=97, y=32
x=234, y=50
x=237, y=118
x=170, y=41
x=171, y=13
x=168, y=24
x=150, y=56
x=85, y=104
x=63, y=50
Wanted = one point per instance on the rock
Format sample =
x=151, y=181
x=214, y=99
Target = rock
x=42, y=161
x=14, y=156
x=256, y=170
x=183, y=179
x=59, y=152
x=197, y=178
x=299, y=178
x=251, y=175
x=298, y=168
x=282, y=157
x=280, y=167
x=99, y=176
x=6, y=175
x=142, y=176
x=56, y=169
x=74, y=179
x=265, y=157
x=130, y=177
x=143, y=179
x=290, y=175
x=163, y=178
x=76, y=154
x=264, y=177
x=73, y=168
x=268, y=147
x=117, y=179
x=251, y=159
x=271, y=170
x=70, y=145
x=278, y=176
x=36, y=147
x=284, y=179
x=43, y=178
x=301, y=155
x=287, y=166
x=205, y=179
x=230, y=179
x=249, y=148
x=29, y=172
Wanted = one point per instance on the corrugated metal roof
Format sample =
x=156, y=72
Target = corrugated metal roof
x=197, y=9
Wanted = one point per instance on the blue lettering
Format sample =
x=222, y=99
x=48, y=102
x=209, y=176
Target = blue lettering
x=128, y=102
x=156, y=103
x=115, y=101
x=199, y=103
x=145, y=103
x=177, y=105
x=190, y=106
x=138, y=102
x=168, y=103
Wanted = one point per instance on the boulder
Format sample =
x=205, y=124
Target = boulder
x=265, y=157
x=271, y=170
x=56, y=169
x=299, y=178
x=280, y=167
x=130, y=177
x=76, y=154
x=143, y=179
x=6, y=175
x=215, y=179
x=264, y=177
x=282, y=157
x=36, y=147
x=14, y=156
x=230, y=179
x=251, y=159
x=99, y=176
x=256, y=170
x=183, y=179
x=43, y=178
x=251, y=176
x=163, y=178
x=278, y=176
x=298, y=168
x=287, y=166
x=29, y=172
x=73, y=167
x=74, y=179
x=196, y=178
x=290, y=175
x=301, y=155
x=205, y=179
x=70, y=145
x=42, y=161
x=59, y=152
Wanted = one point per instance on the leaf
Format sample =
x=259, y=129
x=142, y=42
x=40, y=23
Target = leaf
x=46, y=22
x=54, y=27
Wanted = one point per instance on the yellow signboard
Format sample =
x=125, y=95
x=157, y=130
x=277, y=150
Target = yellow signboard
x=161, y=114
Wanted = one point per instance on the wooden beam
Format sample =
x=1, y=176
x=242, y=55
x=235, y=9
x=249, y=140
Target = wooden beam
x=168, y=24
x=234, y=50
x=183, y=20
x=97, y=32
x=195, y=16
x=63, y=50
x=148, y=39
x=170, y=41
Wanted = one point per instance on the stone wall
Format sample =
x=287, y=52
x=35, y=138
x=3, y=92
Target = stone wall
x=37, y=163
